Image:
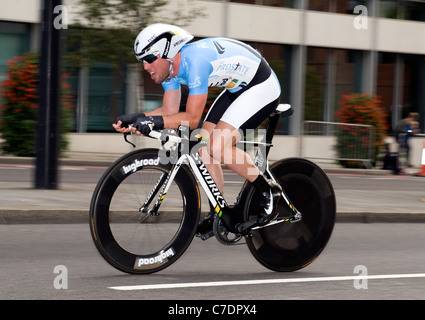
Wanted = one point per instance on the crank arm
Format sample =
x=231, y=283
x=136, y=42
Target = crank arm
x=294, y=219
x=253, y=224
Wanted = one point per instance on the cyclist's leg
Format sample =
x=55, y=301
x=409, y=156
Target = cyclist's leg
x=248, y=111
x=205, y=226
x=213, y=165
x=222, y=147
x=233, y=113
x=241, y=110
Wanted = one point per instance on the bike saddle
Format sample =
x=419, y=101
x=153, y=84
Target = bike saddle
x=285, y=110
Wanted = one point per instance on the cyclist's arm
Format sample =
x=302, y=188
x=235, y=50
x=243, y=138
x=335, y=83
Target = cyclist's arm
x=170, y=104
x=194, y=108
x=170, y=107
x=198, y=71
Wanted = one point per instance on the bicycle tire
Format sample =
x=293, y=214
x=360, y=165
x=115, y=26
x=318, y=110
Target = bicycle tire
x=133, y=241
x=286, y=247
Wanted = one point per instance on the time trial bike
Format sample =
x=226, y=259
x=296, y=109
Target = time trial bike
x=145, y=209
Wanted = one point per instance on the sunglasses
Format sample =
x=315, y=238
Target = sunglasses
x=150, y=58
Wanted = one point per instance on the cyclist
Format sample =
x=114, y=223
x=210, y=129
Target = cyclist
x=251, y=93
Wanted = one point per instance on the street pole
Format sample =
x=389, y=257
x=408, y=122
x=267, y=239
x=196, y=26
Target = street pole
x=48, y=124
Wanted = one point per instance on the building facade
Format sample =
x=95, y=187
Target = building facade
x=320, y=50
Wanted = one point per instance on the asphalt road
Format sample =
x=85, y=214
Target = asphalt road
x=91, y=175
x=61, y=262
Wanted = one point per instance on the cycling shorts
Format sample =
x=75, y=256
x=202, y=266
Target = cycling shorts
x=250, y=106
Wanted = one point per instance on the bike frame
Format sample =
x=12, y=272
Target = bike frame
x=203, y=176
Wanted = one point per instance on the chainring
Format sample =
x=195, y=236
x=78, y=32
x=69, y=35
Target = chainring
x=222, y=234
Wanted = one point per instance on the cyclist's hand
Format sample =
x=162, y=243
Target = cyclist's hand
x=144, y=125
x=122, y=122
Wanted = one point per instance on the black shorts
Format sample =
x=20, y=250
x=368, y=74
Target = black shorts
x=250, y=106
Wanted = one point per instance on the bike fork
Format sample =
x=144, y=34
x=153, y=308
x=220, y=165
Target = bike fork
x=165, y=182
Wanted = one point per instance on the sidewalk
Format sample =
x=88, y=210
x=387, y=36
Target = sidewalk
x=20, y=203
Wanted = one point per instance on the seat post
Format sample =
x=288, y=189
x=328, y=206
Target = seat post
x=270, y=130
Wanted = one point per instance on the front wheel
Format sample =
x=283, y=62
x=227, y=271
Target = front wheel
x=292, y=246
x=128, y=235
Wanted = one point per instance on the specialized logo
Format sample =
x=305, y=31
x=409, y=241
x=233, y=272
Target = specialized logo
x=211, y=184
x=144, y=263
x=220, y=49
x=139, y=164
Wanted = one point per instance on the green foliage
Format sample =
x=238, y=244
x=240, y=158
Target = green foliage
x=353, y=142
x=19, y=105
x=106, y=29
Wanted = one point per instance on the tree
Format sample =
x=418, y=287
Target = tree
x=19, y=104
x=106, y=29
x=360, y=109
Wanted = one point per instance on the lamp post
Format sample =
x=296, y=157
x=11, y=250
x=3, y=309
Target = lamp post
x=48, y=131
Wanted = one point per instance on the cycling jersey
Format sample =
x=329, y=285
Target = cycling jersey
x=215, y=62
x=252, y=89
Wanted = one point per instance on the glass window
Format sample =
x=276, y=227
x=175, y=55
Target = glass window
x=330, y=74
x=347, y=6
x=408, y=84
x=414, y=86
x=402, y=9
x=385, y=80
x=319, y=5
x=414, y=10
x=348, y=73
x=105, y=97
x=388, y=9
x=14, y=39
x=279, y=58
x=274, y=3
x=315, y=83
x=245, y=1
x=278, y=3
x=338, y=6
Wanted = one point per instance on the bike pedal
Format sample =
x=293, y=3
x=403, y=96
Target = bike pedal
x=241, y=227
x=205, y=236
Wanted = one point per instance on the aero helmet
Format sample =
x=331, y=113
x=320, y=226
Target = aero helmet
x=163, y=39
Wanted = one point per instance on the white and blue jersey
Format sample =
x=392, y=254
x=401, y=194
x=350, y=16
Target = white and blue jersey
x=252, y=89
x=215, y=62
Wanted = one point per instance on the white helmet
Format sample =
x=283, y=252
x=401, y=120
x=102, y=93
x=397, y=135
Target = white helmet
x=159, y=38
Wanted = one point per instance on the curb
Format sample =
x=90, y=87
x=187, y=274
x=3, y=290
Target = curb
x=380, y=217
x=107, y=162
x=77, y=216
x=62, y=161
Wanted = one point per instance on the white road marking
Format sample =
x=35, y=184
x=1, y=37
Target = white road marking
x=264, y=281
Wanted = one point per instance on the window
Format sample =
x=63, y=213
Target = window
x=401, y=85
x=338, y=6
x=274, y=3
x=402, y=9
x=330, y=73
x=14, y=39
x=316, y=82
